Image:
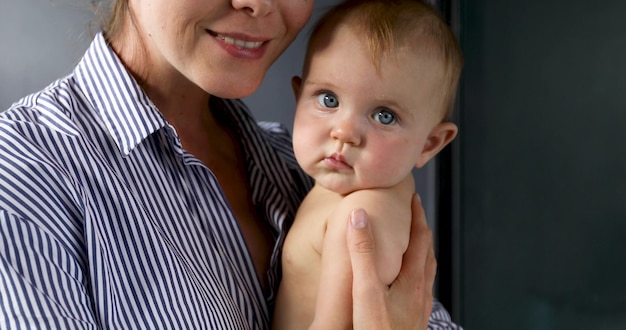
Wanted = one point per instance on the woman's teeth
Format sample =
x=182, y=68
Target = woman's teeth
x=240, y=43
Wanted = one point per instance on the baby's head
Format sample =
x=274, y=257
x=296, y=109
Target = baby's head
x=378, y=87
x=388, y=28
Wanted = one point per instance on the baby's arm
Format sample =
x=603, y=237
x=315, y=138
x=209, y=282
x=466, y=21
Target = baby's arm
x=389, y=211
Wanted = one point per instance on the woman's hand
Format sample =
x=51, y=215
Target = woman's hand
x=407, y=302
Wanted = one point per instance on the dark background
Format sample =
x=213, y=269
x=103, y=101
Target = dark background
x=536, y=212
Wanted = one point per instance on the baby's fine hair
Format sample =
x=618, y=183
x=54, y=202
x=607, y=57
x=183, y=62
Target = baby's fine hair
x=386, y=26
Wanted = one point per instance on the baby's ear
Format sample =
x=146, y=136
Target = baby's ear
x=439, y=137
x=296, y=81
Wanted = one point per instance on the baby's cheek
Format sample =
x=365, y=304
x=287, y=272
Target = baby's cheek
x=386, y=170
x=305, y=149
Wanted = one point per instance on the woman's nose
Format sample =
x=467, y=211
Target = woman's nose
x=346, y=130
x=257, y=8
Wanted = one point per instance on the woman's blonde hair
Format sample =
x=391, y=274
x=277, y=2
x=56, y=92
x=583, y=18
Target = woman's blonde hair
x=111, y=18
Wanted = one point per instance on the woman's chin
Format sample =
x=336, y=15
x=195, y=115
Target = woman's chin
x=234, y=90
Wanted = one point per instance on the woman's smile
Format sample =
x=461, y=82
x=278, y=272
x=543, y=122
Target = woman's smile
x=240, y=46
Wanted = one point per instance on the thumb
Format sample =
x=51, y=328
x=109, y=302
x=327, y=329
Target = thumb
x=361, y=247
x=360, y=238
x=367, y=291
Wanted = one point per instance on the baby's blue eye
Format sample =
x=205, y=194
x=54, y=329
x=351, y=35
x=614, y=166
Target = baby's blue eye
x=328, y=100
x=385, y=117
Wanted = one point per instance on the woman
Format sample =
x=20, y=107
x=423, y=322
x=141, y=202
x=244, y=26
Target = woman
x=139, y=193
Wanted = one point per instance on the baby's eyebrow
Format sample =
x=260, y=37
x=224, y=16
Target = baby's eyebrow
x=317, y=83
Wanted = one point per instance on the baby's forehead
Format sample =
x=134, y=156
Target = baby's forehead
x=406, y=56
x=418, y=47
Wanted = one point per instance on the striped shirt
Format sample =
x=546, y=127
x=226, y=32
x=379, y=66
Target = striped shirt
x=106, y=222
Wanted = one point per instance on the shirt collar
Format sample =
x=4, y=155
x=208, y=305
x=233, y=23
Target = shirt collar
x=117, y=98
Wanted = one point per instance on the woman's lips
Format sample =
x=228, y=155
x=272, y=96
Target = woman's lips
x=240, y=47
x=237, y=42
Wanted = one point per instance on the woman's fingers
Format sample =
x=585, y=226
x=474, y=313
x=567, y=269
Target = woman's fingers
x=419, y=266
x=407, y=302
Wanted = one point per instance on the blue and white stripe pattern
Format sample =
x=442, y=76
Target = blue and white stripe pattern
x=107, y=223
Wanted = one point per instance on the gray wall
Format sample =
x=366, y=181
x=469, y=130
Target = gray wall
x=40, y=41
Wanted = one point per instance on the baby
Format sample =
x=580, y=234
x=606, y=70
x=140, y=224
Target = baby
x=376, y=92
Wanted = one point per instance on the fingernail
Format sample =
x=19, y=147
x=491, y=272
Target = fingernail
x=419, y=198
x=359, y=219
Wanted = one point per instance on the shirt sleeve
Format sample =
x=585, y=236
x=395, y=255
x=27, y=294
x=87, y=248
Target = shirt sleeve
x=44, y=281
x=440, y=318
x=42, y=285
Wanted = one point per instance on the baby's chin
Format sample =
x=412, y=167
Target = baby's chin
x=342, y=187
x=337, y=186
